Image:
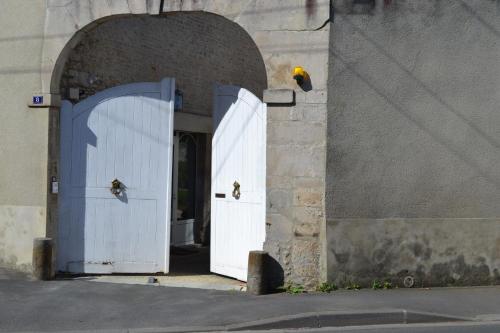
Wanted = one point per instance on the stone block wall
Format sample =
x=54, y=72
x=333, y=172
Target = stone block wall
x=296, y=150
x=295, y=182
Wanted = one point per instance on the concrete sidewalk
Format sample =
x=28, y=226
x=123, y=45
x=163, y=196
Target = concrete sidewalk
x=202, y=281
x=80, y=305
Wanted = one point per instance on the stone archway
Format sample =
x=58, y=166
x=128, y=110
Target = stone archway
x=198, y=49
x=286, y=34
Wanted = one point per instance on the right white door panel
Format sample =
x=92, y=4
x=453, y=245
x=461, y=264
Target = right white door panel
x=238, y=155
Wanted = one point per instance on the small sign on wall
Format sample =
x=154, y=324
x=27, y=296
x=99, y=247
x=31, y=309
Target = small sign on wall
x=54, y=186
x=44, y=100
x=38, y=100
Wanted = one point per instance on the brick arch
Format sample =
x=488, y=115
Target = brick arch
x=196, y=48
x=61, y=36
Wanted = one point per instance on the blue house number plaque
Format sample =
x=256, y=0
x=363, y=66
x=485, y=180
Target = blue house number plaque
x=37, y=100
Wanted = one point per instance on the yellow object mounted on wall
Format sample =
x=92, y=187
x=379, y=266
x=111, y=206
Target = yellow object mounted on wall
x=300, y=75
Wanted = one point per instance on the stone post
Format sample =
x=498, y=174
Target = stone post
x=257, y=279
x=42, y=258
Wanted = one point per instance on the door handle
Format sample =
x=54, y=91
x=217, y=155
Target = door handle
x=236, y=190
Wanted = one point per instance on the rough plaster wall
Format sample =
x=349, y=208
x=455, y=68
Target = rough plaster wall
x=23, y=133
x=413, y=141
x=288, y=33
x=435, y=252
x=197, y=49
x=18, y=226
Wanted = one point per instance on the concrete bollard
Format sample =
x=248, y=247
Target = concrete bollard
x=42, y=258
x=256, y=278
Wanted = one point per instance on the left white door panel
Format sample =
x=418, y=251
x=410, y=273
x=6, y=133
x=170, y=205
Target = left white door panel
x=122, y=133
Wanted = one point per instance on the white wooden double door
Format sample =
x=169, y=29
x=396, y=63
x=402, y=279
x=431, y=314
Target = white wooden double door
x=126, y=133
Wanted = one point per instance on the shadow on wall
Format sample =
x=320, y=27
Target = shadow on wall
x=275, y=274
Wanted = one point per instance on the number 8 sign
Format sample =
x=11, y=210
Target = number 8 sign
x=37, y=100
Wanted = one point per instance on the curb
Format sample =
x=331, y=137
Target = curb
x=344, y=318
x=312, y=321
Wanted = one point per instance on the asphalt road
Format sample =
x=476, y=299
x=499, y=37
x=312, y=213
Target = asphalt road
x=66, y=305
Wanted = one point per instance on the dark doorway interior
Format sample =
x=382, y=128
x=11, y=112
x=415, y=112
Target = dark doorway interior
x=190, y=260
x=190, y=237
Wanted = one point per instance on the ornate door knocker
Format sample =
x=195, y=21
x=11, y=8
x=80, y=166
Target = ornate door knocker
x=116, y=187
x=236, y=190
